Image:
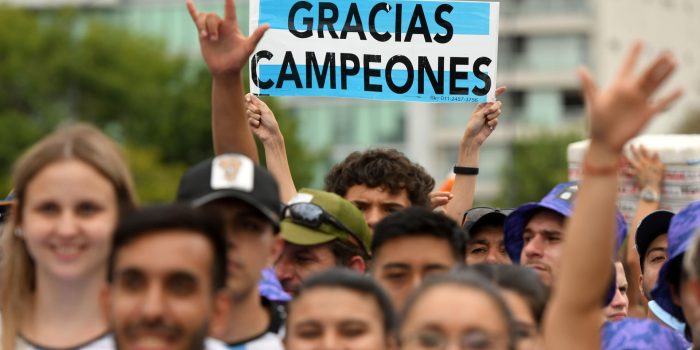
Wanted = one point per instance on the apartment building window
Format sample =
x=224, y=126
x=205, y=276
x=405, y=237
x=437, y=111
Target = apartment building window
x=572, y=100
x=514, y=102
x=519, y=45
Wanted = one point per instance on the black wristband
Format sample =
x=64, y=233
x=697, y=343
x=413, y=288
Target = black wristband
x=465, y=170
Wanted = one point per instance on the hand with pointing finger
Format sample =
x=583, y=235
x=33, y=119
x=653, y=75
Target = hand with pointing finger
x=224, y=48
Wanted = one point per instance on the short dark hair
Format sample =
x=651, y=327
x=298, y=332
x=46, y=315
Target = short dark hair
x=343, y=252
x=356, y=282
x=419, y=221
x=154, y=219
x=519, y=279
x=385, y=168
x=470, y=280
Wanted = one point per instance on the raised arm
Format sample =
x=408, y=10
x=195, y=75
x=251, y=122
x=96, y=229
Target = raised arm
x=226, y=50
x=615, y=115
x=482, y=123
x=648, y=172
x=265, y=127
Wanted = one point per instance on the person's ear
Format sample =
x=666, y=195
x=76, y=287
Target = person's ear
x=275, y=250
x=358, y=264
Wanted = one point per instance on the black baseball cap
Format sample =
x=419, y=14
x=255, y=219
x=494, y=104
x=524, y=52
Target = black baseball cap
x=476, y=214
x=652, y=226
x=232, y=175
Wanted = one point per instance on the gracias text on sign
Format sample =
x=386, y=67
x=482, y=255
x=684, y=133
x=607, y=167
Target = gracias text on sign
x=430, y=51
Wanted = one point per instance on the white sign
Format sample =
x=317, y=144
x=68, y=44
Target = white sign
x=429, y=51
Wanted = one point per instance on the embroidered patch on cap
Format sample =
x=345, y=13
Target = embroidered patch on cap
x=232, y=172
x=301, y=198
x=568, y=193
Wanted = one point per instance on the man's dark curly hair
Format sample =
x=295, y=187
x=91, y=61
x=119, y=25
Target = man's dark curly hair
x=385, y=168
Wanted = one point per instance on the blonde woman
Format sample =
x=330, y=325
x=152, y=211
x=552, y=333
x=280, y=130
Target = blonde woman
x=71, y=187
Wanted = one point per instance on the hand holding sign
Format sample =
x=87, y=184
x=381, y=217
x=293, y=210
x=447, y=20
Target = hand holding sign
x=261, y=119
x=483, y=122
x=619, y=112
x=224, y=48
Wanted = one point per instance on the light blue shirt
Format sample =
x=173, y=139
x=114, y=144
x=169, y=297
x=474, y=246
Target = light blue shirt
x=666, y=318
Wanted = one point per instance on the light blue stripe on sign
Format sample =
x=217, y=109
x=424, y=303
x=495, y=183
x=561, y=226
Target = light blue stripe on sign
x=467, y=18
x=356, y=86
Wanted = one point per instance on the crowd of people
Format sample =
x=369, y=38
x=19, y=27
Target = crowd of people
x=375, y=260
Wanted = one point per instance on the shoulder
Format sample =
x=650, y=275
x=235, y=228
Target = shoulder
x=641, y=334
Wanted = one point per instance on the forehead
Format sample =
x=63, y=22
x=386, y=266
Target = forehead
x=659, y=242
x=546, y=220
x=436, y=308
x=334, y=304
x=378, y=195
x=76, y=178
x=160, y=253
x=487, y=233
x=416, y=250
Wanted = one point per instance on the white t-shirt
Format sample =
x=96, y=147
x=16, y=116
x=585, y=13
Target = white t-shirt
x=104, y=342
x=268, y=341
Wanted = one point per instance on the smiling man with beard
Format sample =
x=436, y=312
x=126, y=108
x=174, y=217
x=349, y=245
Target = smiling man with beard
x=155, y=298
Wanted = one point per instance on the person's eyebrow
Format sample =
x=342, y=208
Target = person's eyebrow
x=396, y=265
x=478, y=241
x=656, y=249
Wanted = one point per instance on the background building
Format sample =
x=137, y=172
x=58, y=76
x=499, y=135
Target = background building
x=542, y=42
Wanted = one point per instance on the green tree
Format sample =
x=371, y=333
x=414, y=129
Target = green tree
x=537, y=164
x=59, y=66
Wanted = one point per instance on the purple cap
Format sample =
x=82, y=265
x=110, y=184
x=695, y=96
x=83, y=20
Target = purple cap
x=641, y=334
x=560, y=199
x=680, y=236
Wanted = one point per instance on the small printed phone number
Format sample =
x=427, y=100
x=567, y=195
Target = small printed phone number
x=455, y=99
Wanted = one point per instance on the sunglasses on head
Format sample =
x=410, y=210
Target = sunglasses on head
x=313, y=216
x=476, y=213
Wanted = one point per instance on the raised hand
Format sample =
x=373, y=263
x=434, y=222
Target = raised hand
x=261, y=119
x=224, y=48
x=619, y=112
x=483, y=121
x=646, y=167
x=439, y=198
